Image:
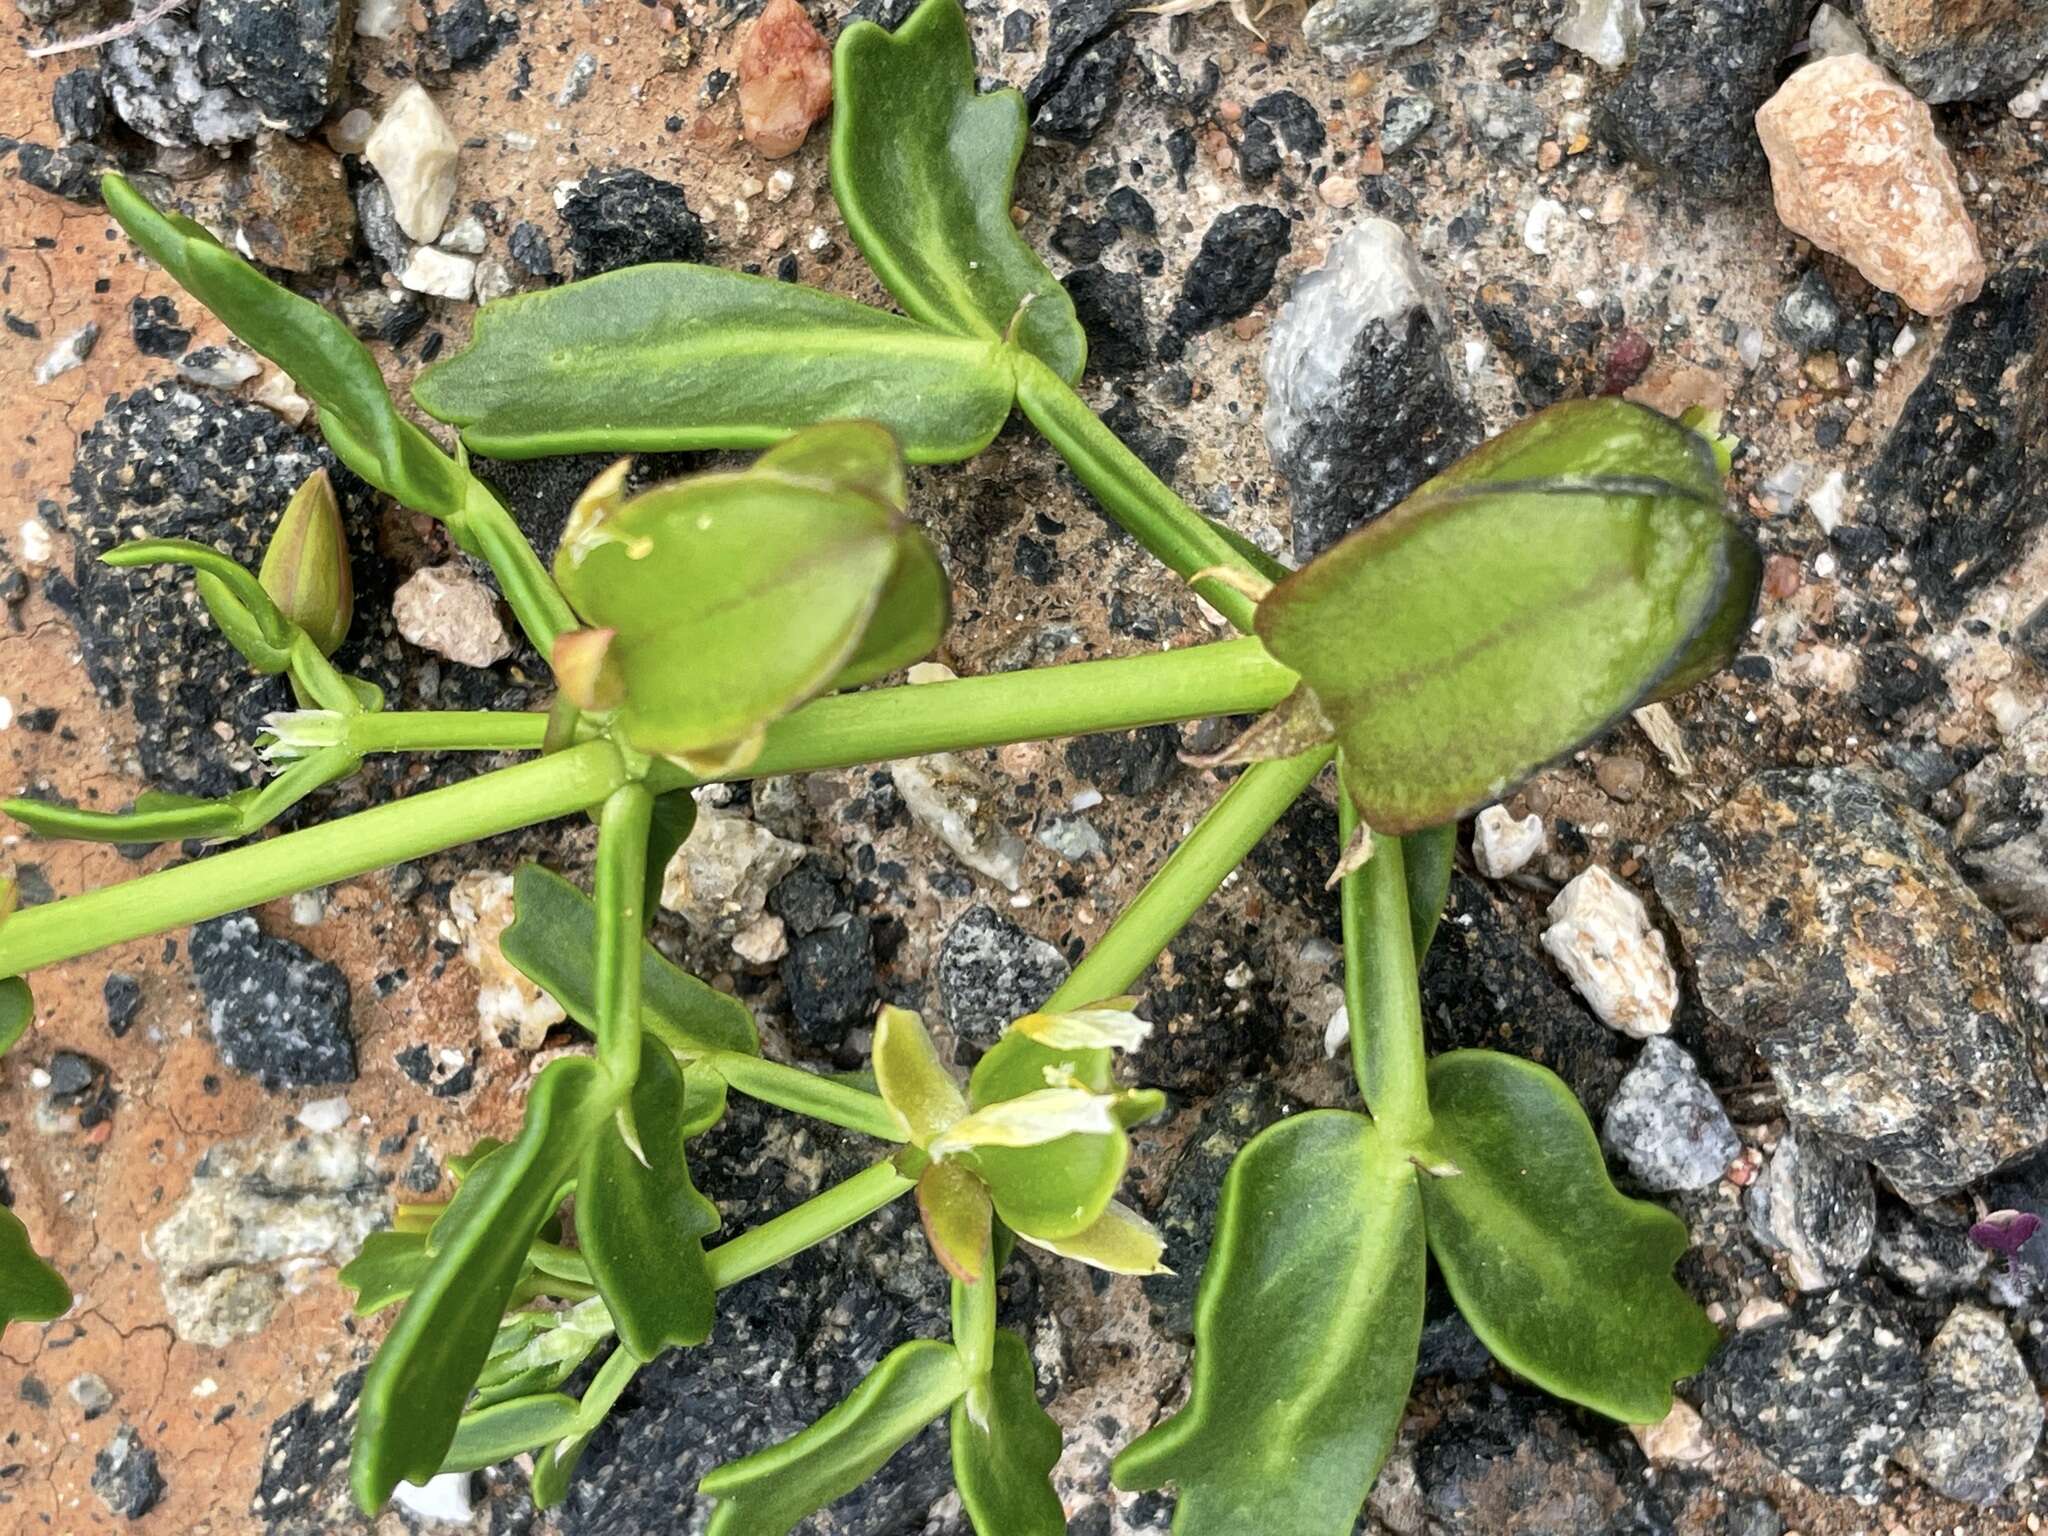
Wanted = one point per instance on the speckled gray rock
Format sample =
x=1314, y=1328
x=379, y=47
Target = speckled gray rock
x=1982, y=1415
x=1351, y=31
x=1952, y=52
x=1824, y=922
x=991, y=971
x=1187, y=1213
x=1513, y=1463
x=159, y=87
x=1665, y=1123
x=275, y=1012
x=1360, y=405
x=125, y=1476
x=1927, y=1250
x=1829, y=1392
x=2002, y=835
x=1816, y=1209
x=287, y=58
x=1687, y=109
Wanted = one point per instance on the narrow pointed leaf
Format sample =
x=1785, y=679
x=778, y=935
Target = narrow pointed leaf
x=642, y=1226
x=1306, y=1329
x=767, y=1493
x=735, y=597
x=1427, y=858
x=1565, y=1280
x=30, y=1291
x=1003, y=1467
x=1514, y=607
x=504, y=1430
x=552, y=939
x=170, y=818
x=666, y=357
x=385, y=1269
x=413, y=1393
x=17, y=1009
x=911, y=1079
x=330, y=366
x=923, y=168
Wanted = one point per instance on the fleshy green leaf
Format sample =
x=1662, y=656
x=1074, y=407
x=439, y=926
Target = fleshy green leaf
x=641, y=1227
x=552, y=939
x=1119, y=1240
x=954, y=1206
x=330, y=366
x=1564, y=1279
x=30, y=1291
x=17, y=1009
x=1514, y=607
x=386, y=1269
x=673, y=818
x=413, y=1393
x=665, y=357
x=504, y=1430
x=923, y=168
x=733, y=598
x=1427, y=858
x=767, y=1493
x=910, y=619
x=1003, y=1465
x=538, y=1351
x=911, y=1079
x=1306, y=1330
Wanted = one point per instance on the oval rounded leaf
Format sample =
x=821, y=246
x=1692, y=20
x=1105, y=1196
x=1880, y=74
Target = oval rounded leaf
x=641, y=1225
x=1567, y=1281
x=735, y=597
x=767, y=1493
x=923, y=168
x=30, y=1291
x=1515, y=606
x=1306, y=1330
x=666, y=358
x=1003, y=1468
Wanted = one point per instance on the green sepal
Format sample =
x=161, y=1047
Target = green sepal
x=924, y=168
x=641, y=1226
x=1514, y=607
x=328, y=364
x=911, y=616
x=669, y=358
x=413, y=1393
x=17, y=1010
x=1307, y=1325
x=767, y=1493
x=551, y=940
x=1563, y=1278
x=305, y=567
x=501, y=1431
x=767, y=579
x=385, y=1269
x=1003, y=1464
x=1062, y=1187
x=30, y=1290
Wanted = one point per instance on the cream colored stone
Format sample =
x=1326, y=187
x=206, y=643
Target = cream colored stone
x=1600, y=934
x=1857, y=168
x=447, y=610
x=415, y=151
x=510, y=1010
x=1679, y=1439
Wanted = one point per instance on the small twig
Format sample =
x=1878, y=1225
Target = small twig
x=110, y=34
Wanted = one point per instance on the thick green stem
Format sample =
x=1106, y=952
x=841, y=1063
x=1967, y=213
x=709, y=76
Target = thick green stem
x=513, y=797
x=475, y=730
x=1233, y=677
x=621, y=891
x=832, y=1210
x=844, y=730
x=1380, y=990
x=974, y=1326
x=1190, y=875
x=1180, y=536
x=806, y=1093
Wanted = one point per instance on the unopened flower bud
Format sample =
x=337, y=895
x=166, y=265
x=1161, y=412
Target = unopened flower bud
x=305, y=568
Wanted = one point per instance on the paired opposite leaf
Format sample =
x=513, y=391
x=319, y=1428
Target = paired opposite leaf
x=1306, y=1330
x=1003, y=1465
x=552, y=939
x=733, y=598
x=330, y=366
x=30, y=1291
x=1566, y=1281
x=923, y=167
x=641, y=1226
x=1515, y=606
x=413, y=1394
x=666, y=357
x=767, y=1493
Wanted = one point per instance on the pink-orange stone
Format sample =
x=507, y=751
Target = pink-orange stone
x=785, y=76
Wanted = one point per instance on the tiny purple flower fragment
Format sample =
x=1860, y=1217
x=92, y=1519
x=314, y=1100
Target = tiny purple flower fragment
x=2006, y=1232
